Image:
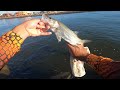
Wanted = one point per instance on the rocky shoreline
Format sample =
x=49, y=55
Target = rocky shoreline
x=67, y=12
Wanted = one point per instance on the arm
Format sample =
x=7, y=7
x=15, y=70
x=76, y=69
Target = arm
x=105, y=67
x=10, y=42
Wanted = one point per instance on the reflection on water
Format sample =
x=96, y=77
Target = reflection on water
x=44, y=57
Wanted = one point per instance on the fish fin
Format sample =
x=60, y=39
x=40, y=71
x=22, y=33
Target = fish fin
x=86, y=41
x=76, y=32
x=56, y=24
x=58, y=37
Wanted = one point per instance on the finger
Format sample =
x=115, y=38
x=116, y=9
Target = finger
x=46, y=23
x=48, y=27
x=41, y=23
x=46, y=33
x=44, y=29
x=43, y=26
x=70, y=46
x=80, y=46
x=40, y=26
x=36, y=21
x=87, y=49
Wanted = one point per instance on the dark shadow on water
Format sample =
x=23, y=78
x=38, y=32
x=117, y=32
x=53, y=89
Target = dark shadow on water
x=5, y=72
x=63, y=75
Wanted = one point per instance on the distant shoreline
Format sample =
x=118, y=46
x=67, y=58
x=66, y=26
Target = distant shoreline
x=68, y=12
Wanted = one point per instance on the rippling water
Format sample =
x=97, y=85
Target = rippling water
x=44, y=57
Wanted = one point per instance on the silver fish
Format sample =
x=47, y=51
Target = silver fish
x=63, y=32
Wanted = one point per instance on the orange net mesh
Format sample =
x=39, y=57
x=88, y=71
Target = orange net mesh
x=10, y=43
x=100, y=64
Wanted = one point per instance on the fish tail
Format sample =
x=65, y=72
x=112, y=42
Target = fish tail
x=86, y=41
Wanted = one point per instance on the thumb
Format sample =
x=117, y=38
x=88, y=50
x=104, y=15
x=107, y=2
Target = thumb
x=87, y=49
x=46, y=33
x=70, y=46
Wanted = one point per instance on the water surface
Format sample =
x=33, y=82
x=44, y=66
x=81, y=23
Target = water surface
x=45, y=58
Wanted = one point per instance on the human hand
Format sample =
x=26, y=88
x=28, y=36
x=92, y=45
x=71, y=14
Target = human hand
x=78, y=51
x=34, y=27
x=37, y=27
